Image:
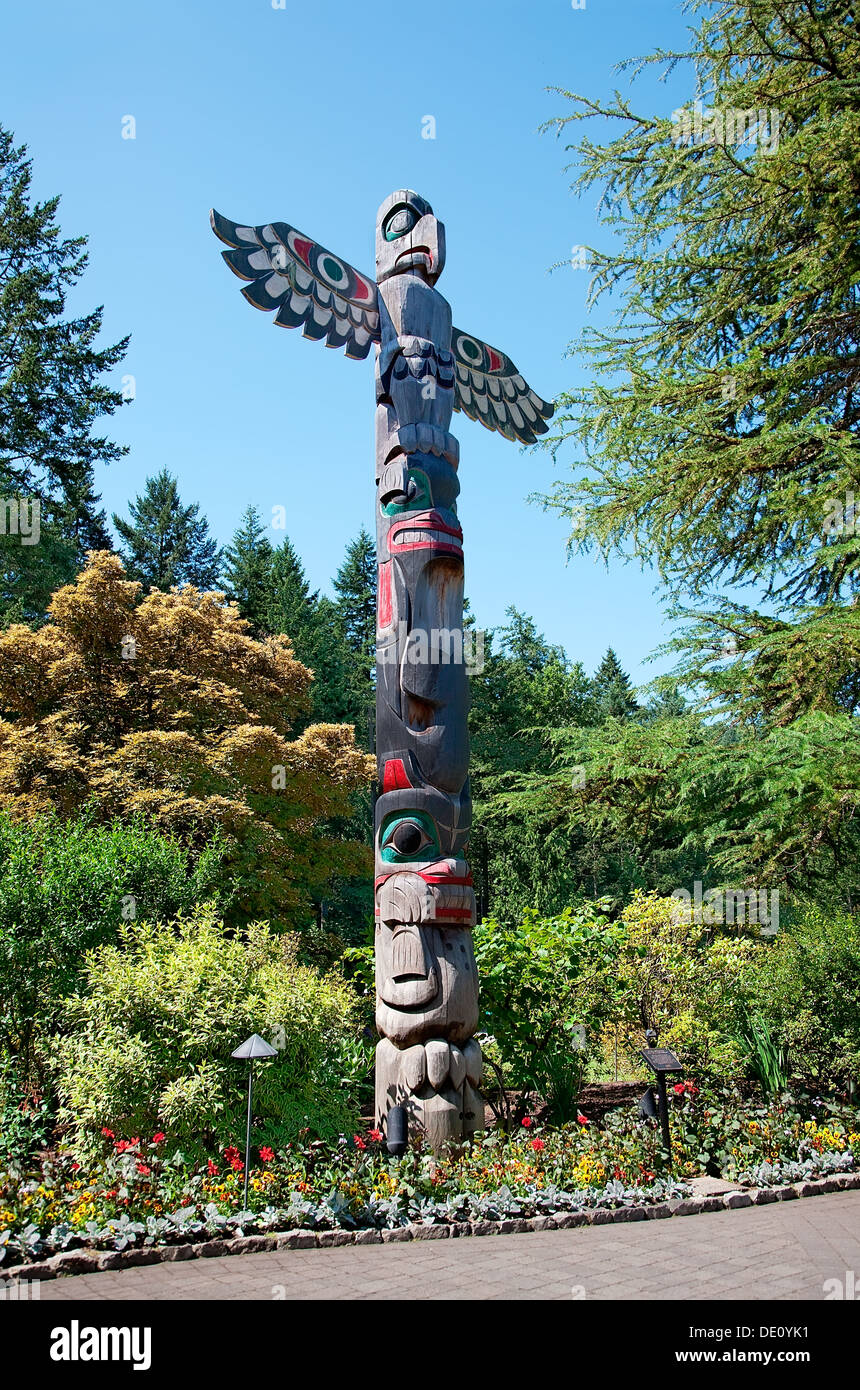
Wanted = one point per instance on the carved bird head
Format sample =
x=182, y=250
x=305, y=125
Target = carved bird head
x=408, y=238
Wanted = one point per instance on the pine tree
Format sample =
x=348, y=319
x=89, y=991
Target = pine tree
x=51, y=394
x=310, y=621
x=289, y=600
x=247, y=569
x=355, y=586
x=613, y=694
x=165, y=543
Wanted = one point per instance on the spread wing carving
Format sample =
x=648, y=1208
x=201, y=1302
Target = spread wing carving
x=488, y=387
x=310, y=287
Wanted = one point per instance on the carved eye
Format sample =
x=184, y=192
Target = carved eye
x=399, y=222
x=418, y=498
x=409, y=837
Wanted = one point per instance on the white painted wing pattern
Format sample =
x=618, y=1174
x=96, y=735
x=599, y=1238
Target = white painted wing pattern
x=310, y=288
x=488, y=387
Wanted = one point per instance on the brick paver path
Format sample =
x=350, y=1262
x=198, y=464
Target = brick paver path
x=783, y=1251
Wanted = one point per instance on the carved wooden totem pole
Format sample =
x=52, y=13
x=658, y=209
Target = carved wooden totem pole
x=426, y=981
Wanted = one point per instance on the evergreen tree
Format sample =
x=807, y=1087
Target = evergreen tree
x=311, y=623
x=289, y=600
x=355, y=586
x=247, y=569
x=166, y=544
x=612, y=692
x=720, y=436
x=724, y=421
x=51, y=393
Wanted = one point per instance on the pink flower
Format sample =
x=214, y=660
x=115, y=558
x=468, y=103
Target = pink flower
x=538, y=1145
x=581, y=1119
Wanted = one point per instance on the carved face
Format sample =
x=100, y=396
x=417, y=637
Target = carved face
x=408, y=238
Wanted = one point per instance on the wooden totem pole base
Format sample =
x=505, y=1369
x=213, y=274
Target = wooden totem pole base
x=436, y=1082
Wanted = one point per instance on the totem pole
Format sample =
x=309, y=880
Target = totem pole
x=426, y=981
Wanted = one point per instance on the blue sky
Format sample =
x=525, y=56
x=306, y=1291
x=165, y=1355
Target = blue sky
x=312, y=114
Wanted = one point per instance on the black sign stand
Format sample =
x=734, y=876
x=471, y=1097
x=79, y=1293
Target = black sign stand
x=663, y=1063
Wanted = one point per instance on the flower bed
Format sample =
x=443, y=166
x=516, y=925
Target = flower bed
x=142, y=1194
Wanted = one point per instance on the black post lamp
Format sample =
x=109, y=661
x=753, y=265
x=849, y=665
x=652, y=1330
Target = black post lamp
x=253, y=1049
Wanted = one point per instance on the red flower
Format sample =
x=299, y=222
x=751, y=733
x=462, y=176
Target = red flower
x=122, y=1145
x=375, y=1135
x=679, y=1089
x=213, y=1169
x=527, y=1121
x=538, y=1145
x=108, y=1134
x=358, y=1141
x=142, y=1168
x=159, y=1138
x=75, y=1167
x=266, y=1154
x=581, y=1119
x=234, y=1158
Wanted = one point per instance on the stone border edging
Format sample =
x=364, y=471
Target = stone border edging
x=82, y=1261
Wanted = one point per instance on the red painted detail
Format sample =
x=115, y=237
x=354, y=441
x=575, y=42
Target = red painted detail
x=495, y=359
x=384, y=602
x=455, y=914
x=303, y=248
x=394, y=778
x=426, y=521
x=467, y=882
x=362, y=289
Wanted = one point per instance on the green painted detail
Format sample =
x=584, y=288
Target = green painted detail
x=428, y=849
x=332, y=269
x=471, y=349
x=422, y=500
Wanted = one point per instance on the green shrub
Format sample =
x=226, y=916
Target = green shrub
x=808, y=988
x=147, y=1046
x=544, y=981
x=65, y=888
x=690, y=987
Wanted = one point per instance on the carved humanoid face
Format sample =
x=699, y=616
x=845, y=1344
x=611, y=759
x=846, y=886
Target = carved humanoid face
x=409, y=238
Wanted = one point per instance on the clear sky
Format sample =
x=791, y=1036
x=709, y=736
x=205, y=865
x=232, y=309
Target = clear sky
x=312, y=113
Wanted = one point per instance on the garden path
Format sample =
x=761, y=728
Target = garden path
x=788, y=1250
